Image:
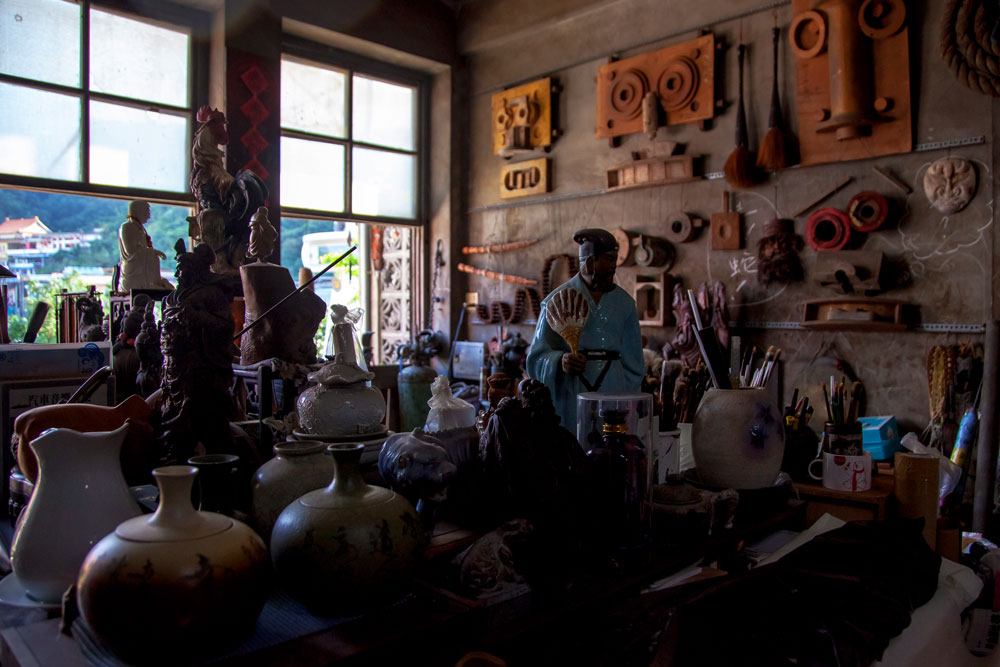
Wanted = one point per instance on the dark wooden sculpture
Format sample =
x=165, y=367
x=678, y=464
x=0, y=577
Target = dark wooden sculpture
x=147, y=346
x=91, y=324
x=198, y=355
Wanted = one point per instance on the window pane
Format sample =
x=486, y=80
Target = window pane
x=137, y=148
x=384, y=113
x=40, y=39
x=312, y=174
x=312, y=99
x=40, y=133
x=135, y=59
x=384, y=183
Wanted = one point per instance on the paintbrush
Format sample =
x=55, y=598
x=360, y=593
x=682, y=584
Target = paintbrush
x=740, y=169
x=770, y=365
x=775, y=145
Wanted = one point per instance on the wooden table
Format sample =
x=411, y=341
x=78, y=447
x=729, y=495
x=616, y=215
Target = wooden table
x=434, y=629
x=847, y=505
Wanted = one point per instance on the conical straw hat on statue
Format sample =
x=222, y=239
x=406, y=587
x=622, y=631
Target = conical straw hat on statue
x=567, y=312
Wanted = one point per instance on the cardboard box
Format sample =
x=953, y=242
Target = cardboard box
x=49, y=360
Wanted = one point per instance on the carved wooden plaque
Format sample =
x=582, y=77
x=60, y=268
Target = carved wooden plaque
x=852, y=68
x=525, y=178
x=522, y=118
x=682, y=76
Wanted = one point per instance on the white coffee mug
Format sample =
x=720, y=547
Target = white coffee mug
x=844, y=473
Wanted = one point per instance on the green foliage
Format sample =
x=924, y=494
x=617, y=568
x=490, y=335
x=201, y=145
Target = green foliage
x=46, y=291
x=79, y=213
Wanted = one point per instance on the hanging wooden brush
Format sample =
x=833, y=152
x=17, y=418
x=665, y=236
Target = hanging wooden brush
x=740, y=169
x=775, y=148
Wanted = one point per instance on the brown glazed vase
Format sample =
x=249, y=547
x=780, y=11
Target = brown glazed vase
x=298, y=467
x=738, y=438
x=347, y=547
x=175, y=585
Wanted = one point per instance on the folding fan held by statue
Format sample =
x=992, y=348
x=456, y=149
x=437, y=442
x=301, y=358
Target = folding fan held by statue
x=567, y=313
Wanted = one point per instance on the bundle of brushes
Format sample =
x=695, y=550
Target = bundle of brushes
x=777, y=150
x=740, y=170
x=758, y=378
x=797, y=415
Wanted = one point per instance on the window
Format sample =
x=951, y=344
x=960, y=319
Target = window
x=95, y=98
x=352, y=152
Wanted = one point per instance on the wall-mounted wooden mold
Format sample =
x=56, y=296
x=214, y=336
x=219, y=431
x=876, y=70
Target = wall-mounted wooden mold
x=523, y=118
x=858, y=315
x=652, y=300
x=727, y=227
x=682, y=76
x=853, y=79
x=851, y=271
x=651, y=171
x=525, y=178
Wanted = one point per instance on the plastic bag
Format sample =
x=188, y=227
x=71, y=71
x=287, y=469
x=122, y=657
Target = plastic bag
x=447, y=412
x=948, y=473
x=341, y=314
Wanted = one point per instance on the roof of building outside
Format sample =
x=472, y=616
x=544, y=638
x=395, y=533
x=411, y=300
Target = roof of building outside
x=27, y=226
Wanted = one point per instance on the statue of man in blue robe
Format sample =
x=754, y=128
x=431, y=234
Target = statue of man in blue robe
x=613, y=324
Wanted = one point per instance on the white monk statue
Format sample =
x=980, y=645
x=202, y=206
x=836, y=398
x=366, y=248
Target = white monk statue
x=140, y=265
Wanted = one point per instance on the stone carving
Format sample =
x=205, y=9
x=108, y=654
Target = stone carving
x=91, y=325
x=147, y=346
x=198, y=352
x=140, y=261
x=262, y=236
x=950, y=184
x=225, y=202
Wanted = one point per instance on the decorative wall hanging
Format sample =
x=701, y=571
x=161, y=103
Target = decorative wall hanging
x=777, y=253
x=867, y=211
x=853, y=86
x=497, y=247
x=651, y=171
x=727, y=228
x=526, y=301
x=572, y=266
x=523, y=118
x=860, y=272
x=652, y=294
x=681, y=76
x=525, y=178
x=828, y=229
x=493, y=275
x=652, y=251
x=950, y=184
x=968, y=44
x=682, y=227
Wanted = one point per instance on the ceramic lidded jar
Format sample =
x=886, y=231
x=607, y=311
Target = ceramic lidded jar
x=738, y=438
x=180, y=583
x=349, y=546
x=343, y=402
x=80, y=497
x=298, y=467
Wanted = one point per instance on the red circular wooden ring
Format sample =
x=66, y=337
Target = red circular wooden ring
x=867, y=211
x=828, y=229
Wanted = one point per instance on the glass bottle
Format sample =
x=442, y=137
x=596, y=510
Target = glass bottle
x=622, y=478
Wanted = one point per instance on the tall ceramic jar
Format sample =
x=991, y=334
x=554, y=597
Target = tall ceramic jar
x=349, y=546
x=180, y=583
x=298, y=467
x=738, y=438
x=80, y=497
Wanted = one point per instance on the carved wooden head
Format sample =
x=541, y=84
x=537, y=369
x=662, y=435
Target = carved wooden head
x=950, y=184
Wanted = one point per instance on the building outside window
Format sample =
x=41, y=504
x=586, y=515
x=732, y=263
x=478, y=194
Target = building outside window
x=352, y=152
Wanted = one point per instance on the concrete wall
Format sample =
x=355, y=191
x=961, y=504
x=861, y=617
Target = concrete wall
x=952, y=259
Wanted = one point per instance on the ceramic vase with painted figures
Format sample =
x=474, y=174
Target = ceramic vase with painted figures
x=349, y=546
x=738, y=438
x=298, y=467
x=175, y=585
x=80, y=497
